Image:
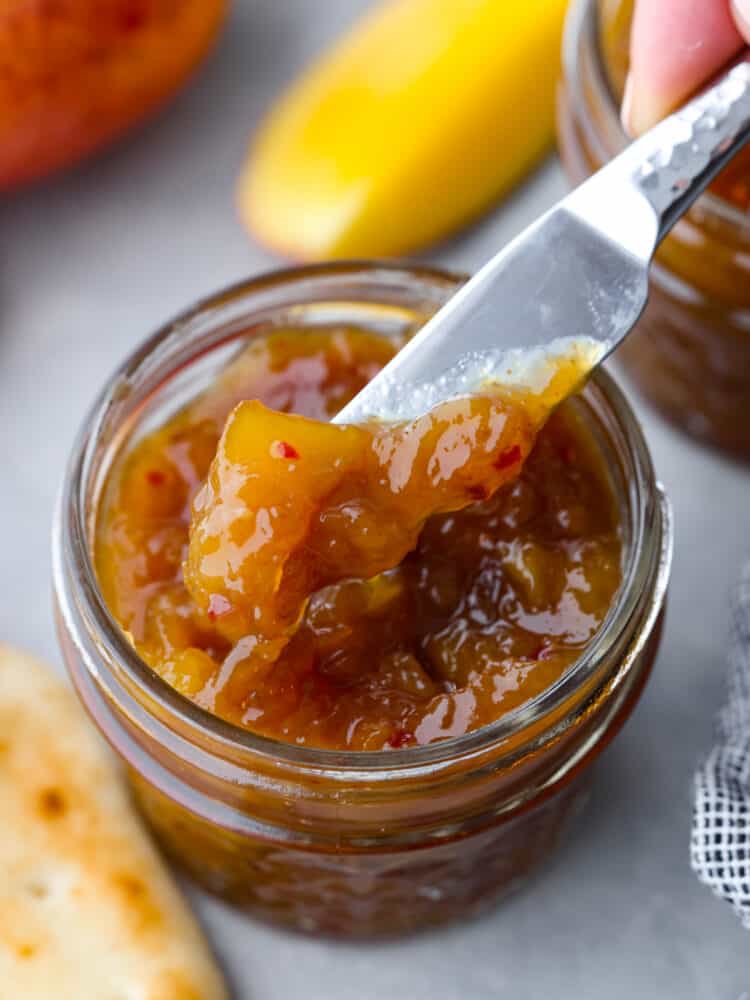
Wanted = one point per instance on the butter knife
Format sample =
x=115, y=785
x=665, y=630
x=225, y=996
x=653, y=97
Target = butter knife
x=578, y=274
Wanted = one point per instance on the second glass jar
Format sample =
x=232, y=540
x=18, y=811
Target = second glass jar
x=690, y=354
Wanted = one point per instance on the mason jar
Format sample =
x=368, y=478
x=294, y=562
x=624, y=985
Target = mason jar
x=690, y=353
x=342, y=842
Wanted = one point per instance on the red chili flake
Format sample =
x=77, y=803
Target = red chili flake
x=218, y=605
x=156, y=477
x=568, y=454
x=282, y=449
x=51, y=8
x=739, y=193
x=400, y=738
x=476, y=492
x=132, y=18
x=507, y=458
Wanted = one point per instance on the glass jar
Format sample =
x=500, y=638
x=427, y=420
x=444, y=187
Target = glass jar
x=348, y=843
x=690, y=354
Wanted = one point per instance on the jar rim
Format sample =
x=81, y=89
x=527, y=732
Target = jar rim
x=82, y=607
x=582, y=35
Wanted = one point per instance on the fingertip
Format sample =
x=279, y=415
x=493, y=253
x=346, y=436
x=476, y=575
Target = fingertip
x=676, y=45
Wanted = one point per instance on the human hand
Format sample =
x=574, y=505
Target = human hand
x=675, y=46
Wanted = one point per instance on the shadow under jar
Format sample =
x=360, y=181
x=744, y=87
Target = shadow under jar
x=342, y=842
x=690, y=353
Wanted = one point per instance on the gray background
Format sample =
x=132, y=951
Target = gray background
x=94, y=261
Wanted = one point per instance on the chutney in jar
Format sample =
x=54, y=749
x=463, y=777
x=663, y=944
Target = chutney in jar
x=385, y=586
x=324, y=840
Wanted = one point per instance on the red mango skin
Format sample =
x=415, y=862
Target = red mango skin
x=77, y=74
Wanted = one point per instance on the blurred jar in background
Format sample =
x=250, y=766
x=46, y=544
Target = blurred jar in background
x=690, y=354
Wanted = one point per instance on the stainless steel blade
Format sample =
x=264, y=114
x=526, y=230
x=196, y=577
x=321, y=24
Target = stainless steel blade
x=577, y=275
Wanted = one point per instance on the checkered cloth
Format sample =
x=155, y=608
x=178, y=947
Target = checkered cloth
x=720, y=844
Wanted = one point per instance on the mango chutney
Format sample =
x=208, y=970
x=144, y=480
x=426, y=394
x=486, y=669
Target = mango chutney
x=478, y=672
x=358, y=588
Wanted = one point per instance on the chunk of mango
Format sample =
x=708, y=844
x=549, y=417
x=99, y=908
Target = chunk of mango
x=416, y=121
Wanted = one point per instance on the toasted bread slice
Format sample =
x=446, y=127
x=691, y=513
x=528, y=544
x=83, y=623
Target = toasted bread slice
x=87, y=907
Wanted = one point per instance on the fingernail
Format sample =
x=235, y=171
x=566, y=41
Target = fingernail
x=626, y=108
x=741, y=14
x=638, y=111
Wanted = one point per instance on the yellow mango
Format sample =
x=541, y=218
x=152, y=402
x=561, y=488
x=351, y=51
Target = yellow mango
x=416, y=121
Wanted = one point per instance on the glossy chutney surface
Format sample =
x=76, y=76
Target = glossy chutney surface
x=502, y=570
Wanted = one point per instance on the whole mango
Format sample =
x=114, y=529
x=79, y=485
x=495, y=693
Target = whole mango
x=418, y=119
x=75, y=74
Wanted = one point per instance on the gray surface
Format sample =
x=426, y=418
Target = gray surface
x=93, y=262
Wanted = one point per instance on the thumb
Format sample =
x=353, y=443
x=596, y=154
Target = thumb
x=675, y=46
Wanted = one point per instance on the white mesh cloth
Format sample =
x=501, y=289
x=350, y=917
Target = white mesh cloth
x=720, y=843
